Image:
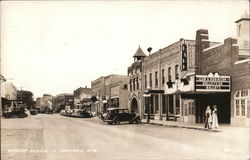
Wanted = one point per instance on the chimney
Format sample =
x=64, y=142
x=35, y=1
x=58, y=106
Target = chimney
x=202, y=42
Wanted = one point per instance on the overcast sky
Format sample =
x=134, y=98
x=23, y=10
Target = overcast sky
x=57, y=46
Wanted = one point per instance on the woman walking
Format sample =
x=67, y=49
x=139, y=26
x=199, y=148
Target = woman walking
x=215, y=118
x=208, y=120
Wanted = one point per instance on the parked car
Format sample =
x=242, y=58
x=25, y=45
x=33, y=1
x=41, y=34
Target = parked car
x=33, y=112
x=117, y=115
x=62, y=112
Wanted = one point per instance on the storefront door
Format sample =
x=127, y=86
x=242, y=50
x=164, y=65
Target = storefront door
x=189, y=110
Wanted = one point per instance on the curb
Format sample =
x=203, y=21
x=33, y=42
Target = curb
x=177, y=126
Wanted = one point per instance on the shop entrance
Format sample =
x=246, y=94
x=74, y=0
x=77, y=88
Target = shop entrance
x=221, y=100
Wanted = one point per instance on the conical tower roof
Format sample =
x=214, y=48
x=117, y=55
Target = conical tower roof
x=245, y=16
x=139, y=53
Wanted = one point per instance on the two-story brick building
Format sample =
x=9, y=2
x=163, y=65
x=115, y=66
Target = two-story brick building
x=195, y=74
x=110, y=91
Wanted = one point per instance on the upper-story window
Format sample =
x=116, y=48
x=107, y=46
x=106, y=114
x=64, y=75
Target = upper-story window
x=239, y=30
x=146, y=85
x=130, y=84
x=169, y=74
x=150, y=80
x=163, y=76
x=176, y=72
x=241, y=102
x=133, y=83
x=137, y=83
x=156, y=79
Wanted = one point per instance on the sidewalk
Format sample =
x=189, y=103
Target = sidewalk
x=197, y=126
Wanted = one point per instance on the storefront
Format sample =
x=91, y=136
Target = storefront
x=188, y=98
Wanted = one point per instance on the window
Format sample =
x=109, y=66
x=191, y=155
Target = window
x=186, y=109
x=177, y=103
x=169, y=74
x=130, y=84
x=146, y=85
x=193, y=108
x=150, y=79
x=164, y=104
x=133, y=83
x=237, y=107
x=137, y=83
x=239, y=29
x=156, y=79
x=241, y=97
x=156, y=104
x=120, y=111
x=176, y=72
x=125, y=86
x=163, y=76
x=243, y=108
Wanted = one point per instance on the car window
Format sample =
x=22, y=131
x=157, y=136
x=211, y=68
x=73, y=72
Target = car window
x=120, y=111
x=126, y=111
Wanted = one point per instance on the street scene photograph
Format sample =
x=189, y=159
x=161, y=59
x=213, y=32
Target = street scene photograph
x=125, y=80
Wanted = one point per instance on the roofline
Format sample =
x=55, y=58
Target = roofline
x=242, y=20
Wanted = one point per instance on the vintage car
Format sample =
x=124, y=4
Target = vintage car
x=117, y=115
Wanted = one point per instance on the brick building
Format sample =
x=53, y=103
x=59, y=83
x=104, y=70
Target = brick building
x=61, y=100
x=110, y=91
x=194, y=74
x=81, y=93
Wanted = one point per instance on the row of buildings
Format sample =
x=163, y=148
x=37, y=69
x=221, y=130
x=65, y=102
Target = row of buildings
x=178, y=82
x=8, y=92
x=188, y=75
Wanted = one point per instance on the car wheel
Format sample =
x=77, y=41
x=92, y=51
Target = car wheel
x=110, y=123
x=116, y=121
x=138, y=121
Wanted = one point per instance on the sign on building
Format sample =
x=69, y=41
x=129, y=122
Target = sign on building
x=184, y=57
x=212, y=83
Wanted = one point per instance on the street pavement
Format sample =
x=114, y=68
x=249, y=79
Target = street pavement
x=55, y=137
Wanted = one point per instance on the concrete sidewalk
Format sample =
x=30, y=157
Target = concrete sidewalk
x=197, y=126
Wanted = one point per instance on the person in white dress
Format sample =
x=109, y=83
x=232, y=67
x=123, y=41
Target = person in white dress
x=208, y=120
x=215, y=124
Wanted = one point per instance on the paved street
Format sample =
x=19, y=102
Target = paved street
x=49, y=137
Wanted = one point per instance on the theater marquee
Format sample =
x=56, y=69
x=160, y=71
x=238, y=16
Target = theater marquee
x=212, y=83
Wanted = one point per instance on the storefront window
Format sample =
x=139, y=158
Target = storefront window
x=163, y=104
x=177, y=104
x=237, y=108
x=243, y=112
x=156, y=104
x=193, y=108
x=240, y=99
x=186, y=109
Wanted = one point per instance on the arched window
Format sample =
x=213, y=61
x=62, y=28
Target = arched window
x=137, y=83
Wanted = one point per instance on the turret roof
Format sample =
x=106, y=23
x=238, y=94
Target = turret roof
x=245, y=16
x=139, y=53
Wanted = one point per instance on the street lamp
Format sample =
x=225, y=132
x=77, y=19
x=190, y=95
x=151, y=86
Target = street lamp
x=148, y=95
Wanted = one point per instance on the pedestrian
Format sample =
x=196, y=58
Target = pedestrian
x=208, y=120
x=215, y=118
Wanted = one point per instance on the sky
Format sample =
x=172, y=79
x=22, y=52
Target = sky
x=55, y=47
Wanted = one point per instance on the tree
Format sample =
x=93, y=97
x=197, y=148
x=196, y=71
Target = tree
x=26, y=97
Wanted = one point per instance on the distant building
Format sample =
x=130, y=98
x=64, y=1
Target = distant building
x=8, y=92
x=43, y=102
x=109, y=91
x=81, y=93
x=242, y=33
x=61, y=100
